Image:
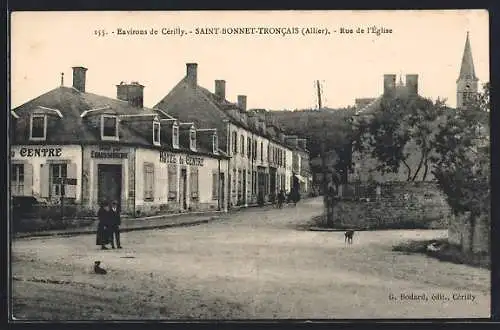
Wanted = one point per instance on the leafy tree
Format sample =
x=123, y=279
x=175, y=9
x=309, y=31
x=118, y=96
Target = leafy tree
x=399, y=127
x=462, y=161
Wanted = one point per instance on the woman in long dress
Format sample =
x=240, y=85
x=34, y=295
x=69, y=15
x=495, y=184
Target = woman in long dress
x=103, y=227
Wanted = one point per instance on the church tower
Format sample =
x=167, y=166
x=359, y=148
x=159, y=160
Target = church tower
x=467, y=82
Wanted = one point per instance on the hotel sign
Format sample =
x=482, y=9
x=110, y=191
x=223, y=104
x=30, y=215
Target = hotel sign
x=39, y=152
x=169, y=158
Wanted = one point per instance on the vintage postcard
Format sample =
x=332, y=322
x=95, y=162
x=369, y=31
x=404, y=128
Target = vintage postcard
x=223, y=165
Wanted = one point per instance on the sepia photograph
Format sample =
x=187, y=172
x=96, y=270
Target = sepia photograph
x=249, y=165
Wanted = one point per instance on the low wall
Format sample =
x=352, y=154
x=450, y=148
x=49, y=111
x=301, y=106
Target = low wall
x=398, y=205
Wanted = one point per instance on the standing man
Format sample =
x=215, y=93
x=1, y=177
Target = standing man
x=115, y=225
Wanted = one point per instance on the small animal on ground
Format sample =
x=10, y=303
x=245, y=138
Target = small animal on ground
x=98, y=269
x=348, y=236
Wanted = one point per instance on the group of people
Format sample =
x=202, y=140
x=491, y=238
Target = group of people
x=108, y=229
x=292, y=197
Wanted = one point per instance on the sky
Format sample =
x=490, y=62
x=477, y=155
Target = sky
x=275, y=71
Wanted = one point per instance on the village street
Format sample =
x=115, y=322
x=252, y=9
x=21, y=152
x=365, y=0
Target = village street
x=255, y=264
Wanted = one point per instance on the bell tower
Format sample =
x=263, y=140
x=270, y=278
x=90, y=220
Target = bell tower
x=467, y=82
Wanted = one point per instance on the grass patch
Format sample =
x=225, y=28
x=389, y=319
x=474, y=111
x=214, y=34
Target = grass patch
x=447, y=252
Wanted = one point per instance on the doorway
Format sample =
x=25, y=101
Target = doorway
x=109, y=182
x=183, y=188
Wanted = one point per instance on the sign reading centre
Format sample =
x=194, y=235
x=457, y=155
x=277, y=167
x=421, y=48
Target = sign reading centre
x=169, y=158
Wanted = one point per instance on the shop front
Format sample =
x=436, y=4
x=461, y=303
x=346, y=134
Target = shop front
x=106, y=174
x=46, y=171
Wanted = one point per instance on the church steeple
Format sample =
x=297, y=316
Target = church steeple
x=467, y=82
x=467, y=69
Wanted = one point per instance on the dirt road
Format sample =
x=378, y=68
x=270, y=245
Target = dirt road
x=254, y=265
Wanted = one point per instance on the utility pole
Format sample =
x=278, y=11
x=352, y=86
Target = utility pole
x=328, y=206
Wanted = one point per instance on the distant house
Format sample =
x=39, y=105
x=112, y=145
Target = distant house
x=89, y=148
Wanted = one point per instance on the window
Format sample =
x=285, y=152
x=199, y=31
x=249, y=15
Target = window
x=234, y=181
x=242, y=145
x=254, y=150
x=172, y=182
x=109, y=127
x=249, y=147
x=192, y=139
x=175, y=136
x=156, y=133
x=38, y=127
x=193, y=178
x=240, y=178
x=17, y=180
x=215, y=186
x=235, y=143
x=215, y=143
x=262, y=151
x=149, y=181
x=57, y=171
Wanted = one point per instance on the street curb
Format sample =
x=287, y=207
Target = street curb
x=123, y=230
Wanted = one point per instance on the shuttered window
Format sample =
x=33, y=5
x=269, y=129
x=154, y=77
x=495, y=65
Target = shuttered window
x=149, y=181
x=193, y=177
x=215, y=185
x=175, y=136
x=242, y=145
x=172, y=182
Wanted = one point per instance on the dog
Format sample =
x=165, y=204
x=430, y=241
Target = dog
x=98, y=269
x=348, y=236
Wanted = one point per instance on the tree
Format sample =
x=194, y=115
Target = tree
x=461, y=164
x=400, y=127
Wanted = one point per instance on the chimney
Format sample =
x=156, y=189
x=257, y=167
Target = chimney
x=192, y=74
x=220, y=89
x=412, y=83
x=79, y=73
x=133, y=93
x=242, y=102
x=389, y=83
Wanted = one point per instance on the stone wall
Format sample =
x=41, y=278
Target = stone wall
x=398, y=205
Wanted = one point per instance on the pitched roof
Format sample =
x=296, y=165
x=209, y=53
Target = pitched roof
x=207, y=110
x=75, y=128
x=467, y=68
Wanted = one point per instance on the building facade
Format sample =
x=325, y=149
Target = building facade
x=261, y=162
x=89, y=148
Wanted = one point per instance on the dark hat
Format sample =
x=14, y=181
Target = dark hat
x=104, y=203
x=114, y=203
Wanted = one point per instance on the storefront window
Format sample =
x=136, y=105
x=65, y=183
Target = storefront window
x=57, y=171
x=17, y=179
x=215, y=144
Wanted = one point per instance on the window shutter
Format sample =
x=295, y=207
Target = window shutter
x=70, y=190
x=194, y=183
x=44, y=180
x=215, y=186
x=28, y=180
